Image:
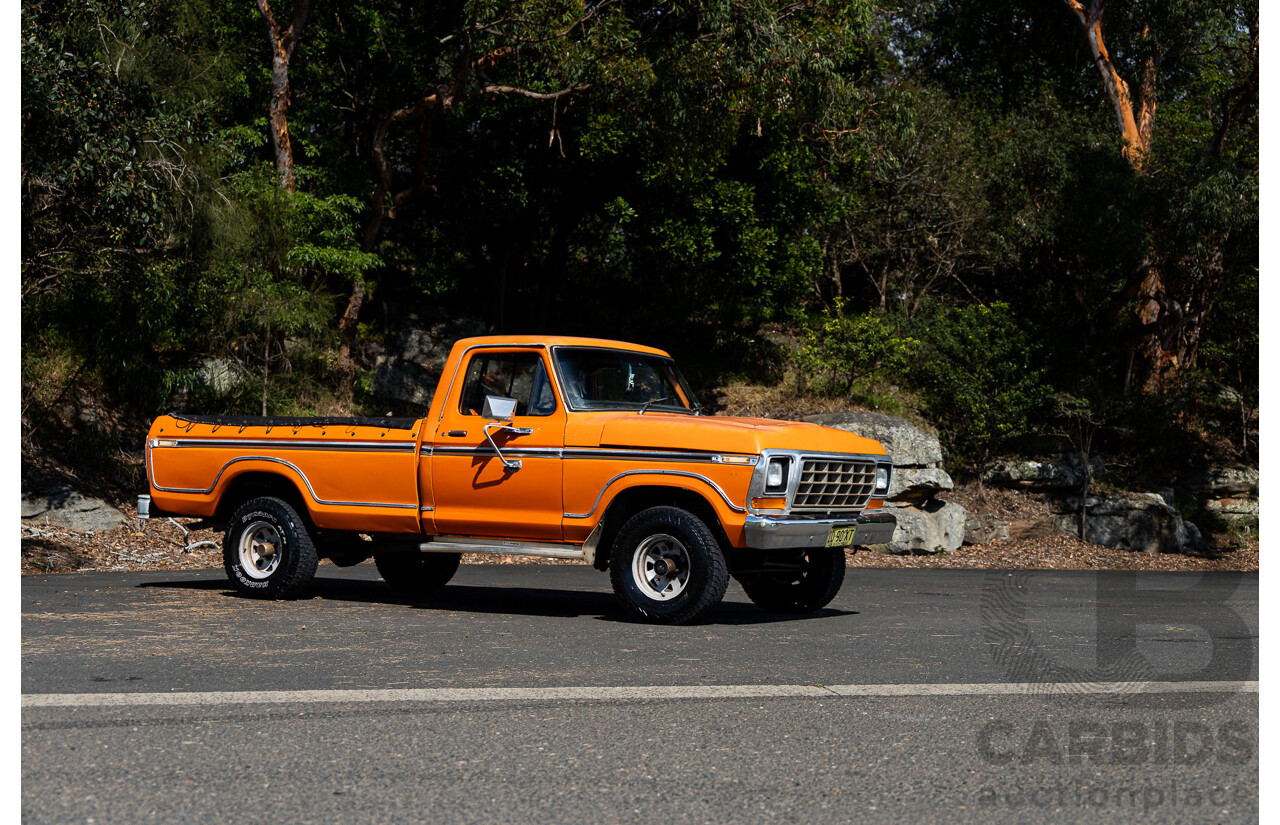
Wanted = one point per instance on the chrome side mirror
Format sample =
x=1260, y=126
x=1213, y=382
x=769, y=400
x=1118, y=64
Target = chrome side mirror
x=497, y=408
x=500, y=411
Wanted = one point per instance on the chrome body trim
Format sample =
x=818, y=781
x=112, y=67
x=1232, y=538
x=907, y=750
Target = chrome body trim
x=272, y=460
x=619, y=476
x=580, y=453
x=641, y=455
x=769, y=533
x=501, y=547
x=223, y=443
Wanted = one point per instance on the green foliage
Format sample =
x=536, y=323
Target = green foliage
x=983, y=380
x=847, y=351
x=104, y=152
x=944, y=175
x=973, y=370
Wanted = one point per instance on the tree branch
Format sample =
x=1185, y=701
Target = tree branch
x=512, y=90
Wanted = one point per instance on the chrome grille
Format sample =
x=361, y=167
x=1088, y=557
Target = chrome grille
x=834, y=484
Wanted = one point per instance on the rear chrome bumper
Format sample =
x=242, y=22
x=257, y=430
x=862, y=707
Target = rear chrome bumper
x=769, y=533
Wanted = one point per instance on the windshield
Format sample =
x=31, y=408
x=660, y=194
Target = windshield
x=611, y=379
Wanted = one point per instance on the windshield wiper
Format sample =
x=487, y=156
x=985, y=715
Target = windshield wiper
x=646, y=404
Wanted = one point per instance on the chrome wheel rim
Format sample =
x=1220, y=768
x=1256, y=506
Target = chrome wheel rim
x=660, y=567
x=260, y=550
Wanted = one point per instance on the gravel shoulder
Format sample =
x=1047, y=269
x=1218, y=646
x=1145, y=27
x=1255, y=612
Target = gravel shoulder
x=166, y=545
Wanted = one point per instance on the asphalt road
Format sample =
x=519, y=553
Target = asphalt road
x=1045, y=754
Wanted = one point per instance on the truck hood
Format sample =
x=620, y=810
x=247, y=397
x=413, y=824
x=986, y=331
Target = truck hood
x=673, y=431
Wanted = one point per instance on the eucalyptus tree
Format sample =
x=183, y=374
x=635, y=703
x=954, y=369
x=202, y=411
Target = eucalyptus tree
x=427, y=110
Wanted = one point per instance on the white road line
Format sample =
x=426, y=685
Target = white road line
x=556, y=694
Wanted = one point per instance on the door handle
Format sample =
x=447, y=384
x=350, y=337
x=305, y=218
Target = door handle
x=457, y=433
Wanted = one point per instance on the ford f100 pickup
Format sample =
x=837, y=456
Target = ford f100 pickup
x=572, y=448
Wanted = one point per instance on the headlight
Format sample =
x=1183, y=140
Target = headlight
x=775, y=477
x=882, y=479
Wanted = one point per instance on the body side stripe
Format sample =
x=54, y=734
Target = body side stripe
x=682, y=473
x=351, y=446
x=291, y=466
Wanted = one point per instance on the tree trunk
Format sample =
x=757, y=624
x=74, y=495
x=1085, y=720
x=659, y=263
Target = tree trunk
x=1136, y=128
x=383, y=205
x=282, y=43
x=1160, y=349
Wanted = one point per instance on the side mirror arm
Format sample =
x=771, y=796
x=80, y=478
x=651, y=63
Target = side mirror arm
x=511, y=464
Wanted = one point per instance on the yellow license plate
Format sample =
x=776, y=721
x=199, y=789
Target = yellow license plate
x=841, y=536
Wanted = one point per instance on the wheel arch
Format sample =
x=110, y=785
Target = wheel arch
x=636, y=498
x=252, y=482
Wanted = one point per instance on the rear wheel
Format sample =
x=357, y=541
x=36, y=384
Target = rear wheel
x=666, y=566
x=268, y=551
x=795, y=581
x=414, y=572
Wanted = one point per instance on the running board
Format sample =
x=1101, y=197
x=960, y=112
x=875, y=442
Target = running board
x=508, y=547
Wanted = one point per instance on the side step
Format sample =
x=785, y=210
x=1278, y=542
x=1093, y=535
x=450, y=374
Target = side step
x=509, y=547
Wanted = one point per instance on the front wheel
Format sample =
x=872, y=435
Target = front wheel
x=666, y=566
x=795, y=581
x=268, y=551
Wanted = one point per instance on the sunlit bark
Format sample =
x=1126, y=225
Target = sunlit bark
x=282, y=42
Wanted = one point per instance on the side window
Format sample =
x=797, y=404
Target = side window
x=518, y=375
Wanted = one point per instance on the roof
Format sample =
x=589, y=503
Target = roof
x=558, y=341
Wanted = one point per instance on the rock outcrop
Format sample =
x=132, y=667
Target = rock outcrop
x=1231, y=493
x=410, y=368
x=926, y=524
x=62, y=506
x=1059, y=472
x=1130, y=521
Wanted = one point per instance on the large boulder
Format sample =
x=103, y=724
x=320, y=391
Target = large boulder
x=908, y=445
x=1059, y=472
x=62, y=506
x=918, y=483
x=1234, y=509
x=219, y=374
x=410, y=367
x=925, y=524
x=1222, y=482
x=934, y=526
x=1130, y=521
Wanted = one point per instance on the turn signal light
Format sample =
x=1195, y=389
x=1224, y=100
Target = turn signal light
x=769, y=503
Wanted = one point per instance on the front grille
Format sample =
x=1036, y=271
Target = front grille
x=834, y=484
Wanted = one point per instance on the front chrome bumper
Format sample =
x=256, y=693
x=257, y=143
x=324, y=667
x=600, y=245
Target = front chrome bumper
x=769, y=533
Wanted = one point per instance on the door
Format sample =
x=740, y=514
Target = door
x=475, y=493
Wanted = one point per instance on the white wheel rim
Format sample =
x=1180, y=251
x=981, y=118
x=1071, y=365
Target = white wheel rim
x=260, y=550
x=660, y=567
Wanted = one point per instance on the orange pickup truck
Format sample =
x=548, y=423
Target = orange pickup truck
x=572, y=448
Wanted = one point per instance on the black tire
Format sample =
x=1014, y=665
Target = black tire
x=268, y=551
x=408, y=571
x=812, y=578
x=667, y=535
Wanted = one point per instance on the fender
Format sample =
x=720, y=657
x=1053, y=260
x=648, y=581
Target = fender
x=731, y=515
